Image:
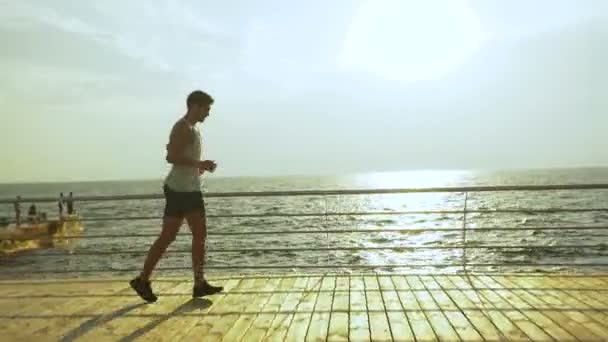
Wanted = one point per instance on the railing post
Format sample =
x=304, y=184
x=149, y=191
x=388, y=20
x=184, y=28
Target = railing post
x=464, y=233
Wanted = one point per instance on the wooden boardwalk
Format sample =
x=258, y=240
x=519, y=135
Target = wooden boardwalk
x=313, y=308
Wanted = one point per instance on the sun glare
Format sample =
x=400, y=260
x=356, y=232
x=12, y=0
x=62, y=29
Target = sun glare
x=411, y=40
x=411, y=179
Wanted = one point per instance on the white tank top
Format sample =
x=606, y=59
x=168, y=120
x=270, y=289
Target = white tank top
x=187, y=178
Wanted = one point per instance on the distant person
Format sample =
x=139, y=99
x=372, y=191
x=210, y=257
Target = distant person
x=183, y=198
x=70, y=204
x=17, y=206
x=60, y=204
x=32, y=213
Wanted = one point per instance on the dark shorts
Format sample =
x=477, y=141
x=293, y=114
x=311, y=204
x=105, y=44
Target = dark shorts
x=179, y=204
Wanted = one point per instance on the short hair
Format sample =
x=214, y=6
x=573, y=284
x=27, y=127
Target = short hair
x=199, y=97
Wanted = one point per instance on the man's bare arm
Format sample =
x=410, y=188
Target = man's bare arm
x=180, y=137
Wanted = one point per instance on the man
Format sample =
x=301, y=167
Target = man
x=31, y=213
x=183, y=198
x=70, y=204
x=60, y=204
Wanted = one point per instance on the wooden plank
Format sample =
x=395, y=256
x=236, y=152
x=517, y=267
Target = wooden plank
x=561, y=318
x=397, y=318
x=527, y=313
x=182, y=313
x=418, y=321
x=588, y=299
x=602, y=281
x=66, y=287
x=481, y=320
x=443, y=300
x=18, y=329
x=177, y=312
x=441, y=325
x=595, y=299
x=339, y=321
x=319, y=323
x=584, y=299
x=117, y=320
x=262, y=321
x=338, y=327
x=256, y=303
x=259, y=327
x=359, y=329
x=379, y=325
x=589, y=324
x=415, y=284
x=538, y=316
x=49, y=305
x=218, y=310
x=595, y=321
x=47, y=309
x=281, y=322
x=463, y=327
x=532, y=285
x=105, y=313
x=568, y=322
x=231, y=309
x=510, y=323
x=429, y=283
x=529, y=328
x=301, y=319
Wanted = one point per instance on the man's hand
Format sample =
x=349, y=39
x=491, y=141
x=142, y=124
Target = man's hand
x=206, y=165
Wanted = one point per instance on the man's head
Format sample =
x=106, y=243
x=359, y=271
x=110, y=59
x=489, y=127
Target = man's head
x=199, y=103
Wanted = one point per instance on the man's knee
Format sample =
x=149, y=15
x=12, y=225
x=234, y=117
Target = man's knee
x=199, y=233
x=168, y=236
x=198, y=224
x=170, y=229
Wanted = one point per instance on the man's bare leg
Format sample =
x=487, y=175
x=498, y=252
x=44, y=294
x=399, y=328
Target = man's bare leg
x=141, y=284
x=198, y=227
x=169, y=231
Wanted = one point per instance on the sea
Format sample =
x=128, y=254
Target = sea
x=337, y=233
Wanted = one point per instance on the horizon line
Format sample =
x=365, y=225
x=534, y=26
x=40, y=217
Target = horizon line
x=303, y=175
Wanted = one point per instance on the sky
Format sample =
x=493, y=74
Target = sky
x=89, y=90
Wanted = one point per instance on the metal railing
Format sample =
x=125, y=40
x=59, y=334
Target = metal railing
x=464, y=189
x=463, y=246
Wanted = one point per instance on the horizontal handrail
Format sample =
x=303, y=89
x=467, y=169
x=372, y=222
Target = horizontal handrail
x=354, y=213
x=332, y=274
x=321, y=249
x=314, y=231
x=364, y=213
x=295, y=290
x=309, y=266
x=330, y=192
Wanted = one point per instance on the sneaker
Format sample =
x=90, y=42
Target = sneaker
x=205, y=289
x=143, y=289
